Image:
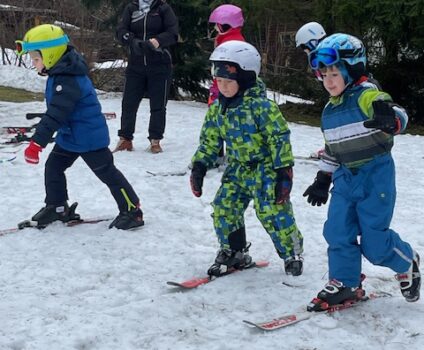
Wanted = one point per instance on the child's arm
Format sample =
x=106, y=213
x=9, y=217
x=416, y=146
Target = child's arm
x=276, y=134
x=66, y=95
x=213, y=92
x=210, y=140
x=328, y=163
x=383, y=113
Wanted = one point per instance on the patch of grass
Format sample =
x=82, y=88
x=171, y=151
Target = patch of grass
x=9, y=94
x=311, y=115
x=306, y=114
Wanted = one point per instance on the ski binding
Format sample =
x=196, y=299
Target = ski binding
x=198, y=281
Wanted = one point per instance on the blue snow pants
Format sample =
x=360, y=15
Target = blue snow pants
x=362, y=203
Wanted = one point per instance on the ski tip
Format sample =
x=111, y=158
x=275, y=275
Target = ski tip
x=27, y=223
x=262, y=327
x=250, y=323
x=261, y=263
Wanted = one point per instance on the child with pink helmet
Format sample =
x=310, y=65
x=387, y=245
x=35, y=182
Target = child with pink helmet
x=228, y=21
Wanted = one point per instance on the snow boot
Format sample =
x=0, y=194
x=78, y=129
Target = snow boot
x=294, y=265
x=335, y=293
x=128, y=220
x=51, y=213
x=410, y=281
x=155, y=146
x=123, y=145
x=227, y=259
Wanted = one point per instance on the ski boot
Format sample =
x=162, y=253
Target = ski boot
x=51, y=213
x=230, y=259
x=128, y=220
x=294, y=265
x=335, y=293
x=410, y=281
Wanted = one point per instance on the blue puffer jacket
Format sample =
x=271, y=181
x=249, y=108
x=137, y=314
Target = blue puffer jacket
x=73, y=109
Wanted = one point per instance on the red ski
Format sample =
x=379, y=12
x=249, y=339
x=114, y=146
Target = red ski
x=290, y=319
x=196, y=282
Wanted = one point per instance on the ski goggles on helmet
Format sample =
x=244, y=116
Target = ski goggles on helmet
x=328, y=56
x=23, y=47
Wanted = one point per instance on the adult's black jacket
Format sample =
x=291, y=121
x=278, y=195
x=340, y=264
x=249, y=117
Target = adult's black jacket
x=160, y=23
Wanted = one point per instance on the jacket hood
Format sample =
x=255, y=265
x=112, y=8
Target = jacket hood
x=71, y=63
x=257, y=90
x=154, y=4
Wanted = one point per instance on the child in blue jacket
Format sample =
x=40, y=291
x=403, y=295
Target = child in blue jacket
x=358, y=124
x=74, y=112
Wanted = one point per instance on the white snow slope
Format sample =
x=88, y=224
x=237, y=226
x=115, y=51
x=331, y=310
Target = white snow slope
x=88, y=287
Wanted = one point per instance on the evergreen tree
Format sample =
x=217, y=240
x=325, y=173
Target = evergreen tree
x=190, y=60
x=393, y=32
x=190, y=57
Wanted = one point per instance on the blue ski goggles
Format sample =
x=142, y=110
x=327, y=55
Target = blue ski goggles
x=329, y=56
x=23, y=47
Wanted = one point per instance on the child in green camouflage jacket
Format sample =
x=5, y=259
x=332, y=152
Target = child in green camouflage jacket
x=260, y=161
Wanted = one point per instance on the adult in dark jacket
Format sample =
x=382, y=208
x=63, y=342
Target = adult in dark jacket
x=148, y=29
x=74, y=112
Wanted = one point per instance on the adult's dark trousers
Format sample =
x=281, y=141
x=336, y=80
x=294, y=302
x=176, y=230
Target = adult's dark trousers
x=101, y=163
x=156, y=81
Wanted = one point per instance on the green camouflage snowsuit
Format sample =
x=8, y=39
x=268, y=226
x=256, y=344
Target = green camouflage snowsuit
x=257, y=142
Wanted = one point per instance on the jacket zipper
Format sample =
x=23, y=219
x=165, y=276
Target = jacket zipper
x=144, y=38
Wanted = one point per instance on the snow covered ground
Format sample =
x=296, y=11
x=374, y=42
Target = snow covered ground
x=89, y=287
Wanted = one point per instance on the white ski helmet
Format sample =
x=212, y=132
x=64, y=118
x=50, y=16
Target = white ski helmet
x=243, y=54
x=309, y=35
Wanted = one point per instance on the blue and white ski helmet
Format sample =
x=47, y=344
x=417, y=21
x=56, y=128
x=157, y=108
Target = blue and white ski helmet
x=341, y=48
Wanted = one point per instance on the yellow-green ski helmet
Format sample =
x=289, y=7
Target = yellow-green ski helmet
x=49, y=39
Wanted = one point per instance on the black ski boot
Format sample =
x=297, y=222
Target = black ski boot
x=294, y=265
x=410, y=281
x=335, y=293
x=128, y=220
x=230, y=259
x=51, y=213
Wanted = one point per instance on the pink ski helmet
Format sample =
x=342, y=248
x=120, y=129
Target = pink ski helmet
x=227, y=14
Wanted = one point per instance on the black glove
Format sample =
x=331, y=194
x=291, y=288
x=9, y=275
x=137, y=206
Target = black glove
x=127, y=38
x=318, y=192
x=140, y=47
x=384, y=118
x=284, y=185
x=196, y=178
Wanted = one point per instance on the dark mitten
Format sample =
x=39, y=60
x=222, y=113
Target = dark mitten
x=317, y=193
x=284, y=185
x=196, y=178
x=384, y=118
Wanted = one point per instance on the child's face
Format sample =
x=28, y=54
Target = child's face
x=333, y=80
x=227, y=87
x=37, y=61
